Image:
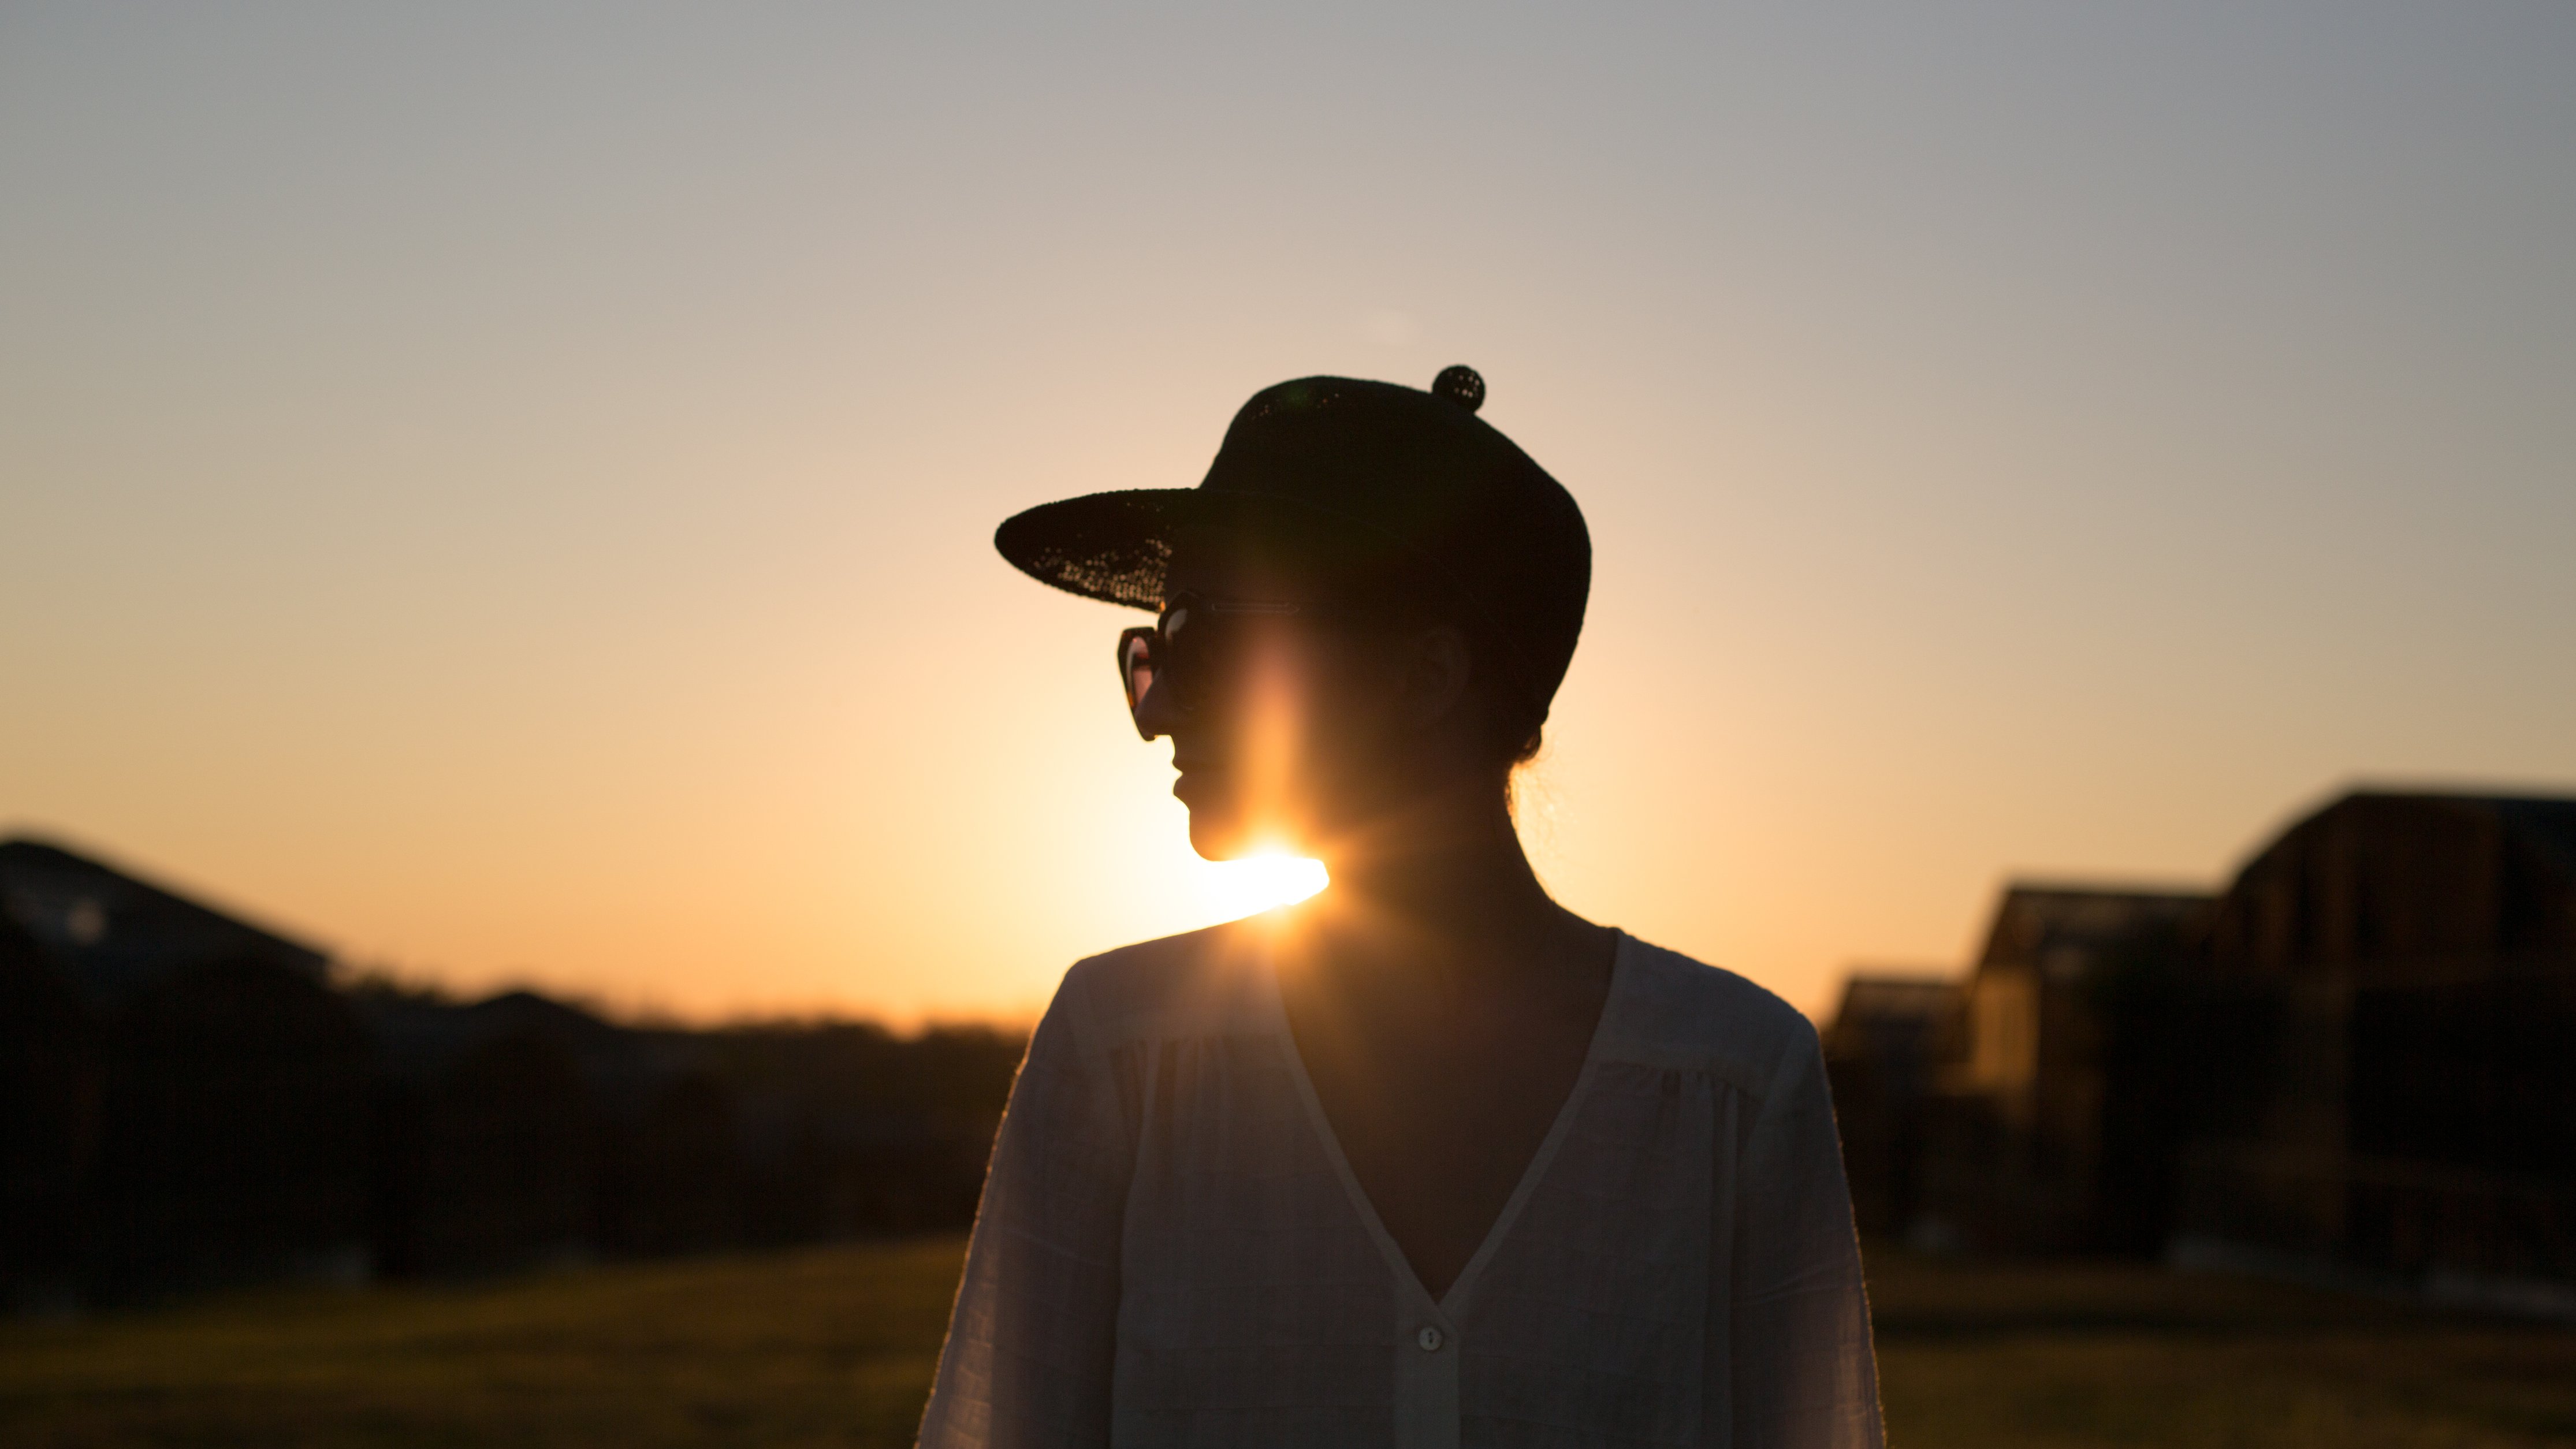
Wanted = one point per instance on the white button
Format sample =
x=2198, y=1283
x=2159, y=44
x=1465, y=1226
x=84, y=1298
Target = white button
x=1429, y=1338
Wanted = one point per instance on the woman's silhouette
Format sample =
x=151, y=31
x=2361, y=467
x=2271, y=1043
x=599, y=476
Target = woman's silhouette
x=1429, y=1160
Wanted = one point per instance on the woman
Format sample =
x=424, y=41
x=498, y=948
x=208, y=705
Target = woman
x=1429, y=1160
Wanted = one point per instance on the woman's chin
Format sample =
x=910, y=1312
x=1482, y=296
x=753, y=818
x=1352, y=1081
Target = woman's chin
x=1218, y=835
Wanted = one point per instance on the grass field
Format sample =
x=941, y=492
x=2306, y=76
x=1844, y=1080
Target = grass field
x=835, y=1346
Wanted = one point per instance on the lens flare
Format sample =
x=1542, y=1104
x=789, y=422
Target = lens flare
x=1263, y=880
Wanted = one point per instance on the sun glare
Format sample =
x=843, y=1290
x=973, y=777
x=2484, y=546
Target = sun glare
x=1260, y=881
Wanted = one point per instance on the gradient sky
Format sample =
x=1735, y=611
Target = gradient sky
x=506, y=491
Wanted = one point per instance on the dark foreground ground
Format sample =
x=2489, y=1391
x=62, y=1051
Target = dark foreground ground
x=835, y=1346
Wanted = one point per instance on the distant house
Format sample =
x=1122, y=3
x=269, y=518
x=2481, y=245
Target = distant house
x=228, y=1140
x=2035, y=1141
x=2396, y=975
x=111, y=934
x=1890, y=1042
x=51, y=1080
x=188, y=1099
x=2361, y=1055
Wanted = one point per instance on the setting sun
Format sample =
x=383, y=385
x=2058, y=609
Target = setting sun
x=1260, y=881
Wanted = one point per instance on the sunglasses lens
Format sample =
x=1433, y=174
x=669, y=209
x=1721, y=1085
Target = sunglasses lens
x=1186, y=652
x=1136, y=667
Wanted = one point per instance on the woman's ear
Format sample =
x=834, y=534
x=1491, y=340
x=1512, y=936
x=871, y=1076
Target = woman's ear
x=1437, y=663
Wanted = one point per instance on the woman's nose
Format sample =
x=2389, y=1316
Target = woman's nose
x=1157, y=712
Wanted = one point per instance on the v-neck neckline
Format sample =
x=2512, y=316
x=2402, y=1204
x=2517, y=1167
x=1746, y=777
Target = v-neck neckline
x=1449, y=1304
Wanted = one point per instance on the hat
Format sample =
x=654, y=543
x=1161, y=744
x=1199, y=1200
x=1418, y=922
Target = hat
x=1394, y=479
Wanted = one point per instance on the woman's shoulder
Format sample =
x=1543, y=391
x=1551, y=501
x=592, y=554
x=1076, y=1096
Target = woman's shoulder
x=1209, y=982
x=1673, y=1011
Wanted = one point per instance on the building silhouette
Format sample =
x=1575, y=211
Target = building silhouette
x=188, y=1100
x=1891, y=1043
x=2359, y=1057
x=199, y=1096
x=2400, y=973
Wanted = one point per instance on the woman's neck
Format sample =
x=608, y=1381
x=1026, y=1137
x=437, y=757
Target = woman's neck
x=1446, y=893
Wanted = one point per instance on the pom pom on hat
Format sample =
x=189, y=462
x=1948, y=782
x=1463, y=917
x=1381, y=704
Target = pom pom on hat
x=1460, y=385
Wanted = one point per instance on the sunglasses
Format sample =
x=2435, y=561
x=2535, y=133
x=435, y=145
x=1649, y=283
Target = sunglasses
x=1191, y=648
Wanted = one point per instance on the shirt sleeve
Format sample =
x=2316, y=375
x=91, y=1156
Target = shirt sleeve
x=1803, y=1375
x=1032, y=1338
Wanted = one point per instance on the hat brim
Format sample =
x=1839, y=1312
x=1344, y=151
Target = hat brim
x=1117, y=547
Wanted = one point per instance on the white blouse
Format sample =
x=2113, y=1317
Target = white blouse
x=1173, y=1251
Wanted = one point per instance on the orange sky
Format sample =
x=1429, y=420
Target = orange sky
x=509, y=497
